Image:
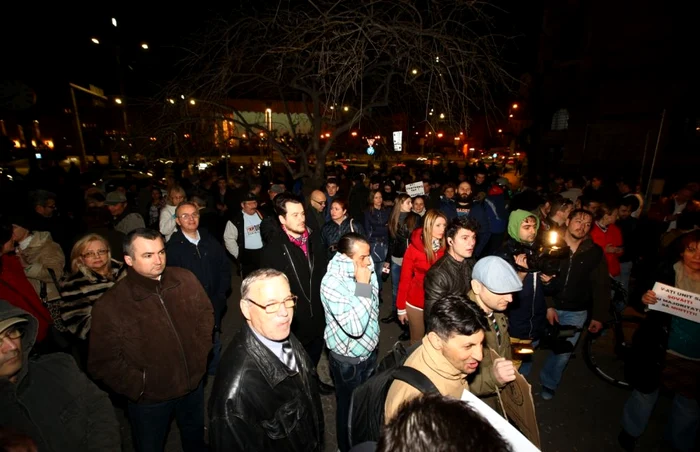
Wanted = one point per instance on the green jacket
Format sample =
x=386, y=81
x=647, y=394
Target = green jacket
x=483, y=383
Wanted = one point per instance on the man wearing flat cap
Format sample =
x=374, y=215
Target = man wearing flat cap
x=493, y=283
x=124, y=219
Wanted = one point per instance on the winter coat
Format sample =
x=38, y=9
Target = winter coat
x=151, y=338
x=53, y=402
x=415, y=266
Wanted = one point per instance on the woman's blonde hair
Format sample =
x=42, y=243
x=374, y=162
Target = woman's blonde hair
x=429, y=221
x=176, y=189
x=79, y=248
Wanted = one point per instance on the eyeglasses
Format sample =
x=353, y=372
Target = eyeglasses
x=13, y=334
x=187, y=216
x=320, y=203
x=94, y=254
x=272, y=308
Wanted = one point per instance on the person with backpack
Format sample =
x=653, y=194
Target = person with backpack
x=450, y=352
x=349, y=292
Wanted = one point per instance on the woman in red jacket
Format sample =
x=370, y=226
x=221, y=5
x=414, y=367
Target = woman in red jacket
x=427, y=246
x=608, y=236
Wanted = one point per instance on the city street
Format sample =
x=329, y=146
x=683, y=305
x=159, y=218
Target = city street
x=583, y=416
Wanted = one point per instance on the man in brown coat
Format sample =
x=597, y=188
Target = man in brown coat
x=150, y=337
x=450, y=351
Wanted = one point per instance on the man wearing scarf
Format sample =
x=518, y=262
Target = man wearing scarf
x=298, y=252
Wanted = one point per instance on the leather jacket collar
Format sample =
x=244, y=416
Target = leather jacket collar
x=269, y=365
x=143, y=287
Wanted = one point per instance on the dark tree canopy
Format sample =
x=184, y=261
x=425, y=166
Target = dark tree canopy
x=325, y=55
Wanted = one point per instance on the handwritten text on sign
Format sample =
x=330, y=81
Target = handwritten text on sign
x=678, y=302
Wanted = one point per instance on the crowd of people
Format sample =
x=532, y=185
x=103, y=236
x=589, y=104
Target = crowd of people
x=132, y=319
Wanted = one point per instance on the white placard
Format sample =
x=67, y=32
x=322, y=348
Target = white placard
x=398, y=136
x=509, y=433
x=680, y=303
x=415, y=189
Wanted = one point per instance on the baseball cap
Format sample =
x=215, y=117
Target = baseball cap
x=5, y=324
x=497, y=275
x=115, y=197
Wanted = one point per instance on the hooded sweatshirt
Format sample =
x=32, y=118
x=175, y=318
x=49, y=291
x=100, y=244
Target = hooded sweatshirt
x=53, y=402
x=528, y=311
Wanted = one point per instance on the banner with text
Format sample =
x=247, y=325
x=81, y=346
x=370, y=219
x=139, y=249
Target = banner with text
x=678, y=302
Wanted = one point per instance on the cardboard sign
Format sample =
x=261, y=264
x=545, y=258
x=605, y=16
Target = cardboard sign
x=520, y=406
x=415, y=189
x=680, y=303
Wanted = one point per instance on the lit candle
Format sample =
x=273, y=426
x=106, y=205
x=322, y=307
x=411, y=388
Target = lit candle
x=553, y=237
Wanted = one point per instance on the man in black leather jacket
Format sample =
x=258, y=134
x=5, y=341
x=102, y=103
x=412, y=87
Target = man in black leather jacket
x=265, y=396
x=452, y=273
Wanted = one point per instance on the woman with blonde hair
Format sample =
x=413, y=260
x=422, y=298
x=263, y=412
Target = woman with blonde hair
x=426, y=246
x=93, y=271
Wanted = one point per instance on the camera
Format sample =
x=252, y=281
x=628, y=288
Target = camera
x=543, y=257
x=555, y=338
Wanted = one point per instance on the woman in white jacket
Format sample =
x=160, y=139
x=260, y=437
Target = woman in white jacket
x=167, y=224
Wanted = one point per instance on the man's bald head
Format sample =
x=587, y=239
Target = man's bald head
x=318, y=200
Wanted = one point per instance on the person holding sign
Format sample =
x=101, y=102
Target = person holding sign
x=666, y=350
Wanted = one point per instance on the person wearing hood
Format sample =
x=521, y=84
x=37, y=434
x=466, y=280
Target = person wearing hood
x=48, y=398
x=527, y=314
x=350, y=296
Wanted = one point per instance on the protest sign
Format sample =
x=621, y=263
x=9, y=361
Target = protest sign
x=678, y=302
x=415, y=189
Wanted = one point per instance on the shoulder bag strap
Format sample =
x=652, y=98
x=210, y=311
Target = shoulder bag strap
x=415, y=378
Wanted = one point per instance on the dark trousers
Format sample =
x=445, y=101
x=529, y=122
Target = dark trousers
x=150, y=422
x=315, y=349
x=347, y=377
x=249, y=261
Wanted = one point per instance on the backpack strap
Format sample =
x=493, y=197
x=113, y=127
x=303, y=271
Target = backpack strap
x=415, y=378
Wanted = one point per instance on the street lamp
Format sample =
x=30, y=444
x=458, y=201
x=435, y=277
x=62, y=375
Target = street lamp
x=500, y=130
x=515, y=106
x=114, y=21
x=192, y=102
x=118, y=101
x=414, y=72
x=346, y=108
x=95, y=40
x=144, y=46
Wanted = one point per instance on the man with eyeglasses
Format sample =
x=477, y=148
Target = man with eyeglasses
x=315, y=218
x=196, y=250
x=47, y=398
x=265, y=395
x=149, y=341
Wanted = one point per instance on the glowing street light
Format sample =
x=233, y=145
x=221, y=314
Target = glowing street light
x=414, y=72
x=515, y=106
x=118, y=101
x=172, y=101
x=510, y=115
x=354, y=134
x=442, y=115
x=346, y=108
x=192, y=102
x=114, y=21
x=500, y=130
x=95, y=40
x=144, y=46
